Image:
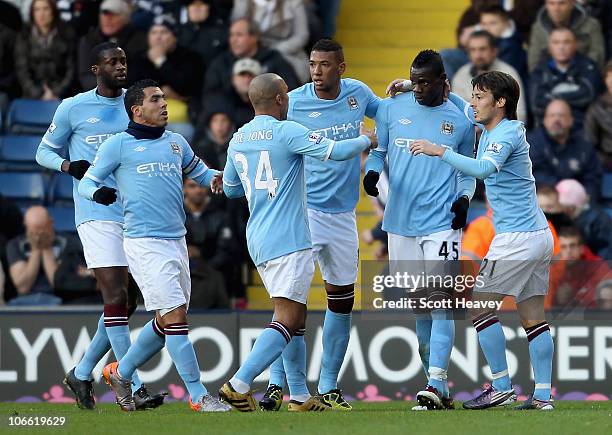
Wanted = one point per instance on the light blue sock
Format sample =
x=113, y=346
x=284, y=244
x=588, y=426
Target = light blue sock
x=184, y=358
x=294, y=359
x=277, y=373
x=541, y=350
x=440, y=345
x=423, y=332
x=118, y=331
x=95, y=351
x=493, y=345
x=336, y=334
x=268, y=346
x=148, y=343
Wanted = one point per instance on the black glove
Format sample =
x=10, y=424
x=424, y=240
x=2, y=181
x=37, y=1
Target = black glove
x=78, y=168
x=460, y=208
x=105, y=195
x=369, y=183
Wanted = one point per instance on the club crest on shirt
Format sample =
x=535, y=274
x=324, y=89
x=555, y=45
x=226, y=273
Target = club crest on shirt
x=494, y=147
x=352, y=102
x=175, y=148
x=447, y=128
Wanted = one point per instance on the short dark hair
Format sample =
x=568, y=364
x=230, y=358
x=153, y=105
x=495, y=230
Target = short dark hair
x=495, y=10
x=546, y=189
x=134, y=96
x=491, y=40
x=429, y=59
x=570, y=231
x=563, y=29
x=501, y=85
x=329, y=45
x=98, y=51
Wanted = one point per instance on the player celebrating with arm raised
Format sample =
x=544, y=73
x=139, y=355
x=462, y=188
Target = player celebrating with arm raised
x=334, y=108
x=519, y=257
x=83, y=122
x=265, y=163
x=148, y=163
x=427, y=205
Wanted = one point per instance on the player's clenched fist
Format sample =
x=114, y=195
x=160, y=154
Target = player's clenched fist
x=105, y=195
x=423, y=146
x=371, y=134
x=369, y=183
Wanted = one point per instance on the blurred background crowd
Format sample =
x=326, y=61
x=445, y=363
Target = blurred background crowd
x=204, y=54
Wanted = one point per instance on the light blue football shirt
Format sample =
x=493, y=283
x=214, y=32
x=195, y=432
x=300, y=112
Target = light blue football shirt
x=333, y=186
x=510, y=187
x=149, y=175
x=83, y=123
x=421, y=189
x=265, y=162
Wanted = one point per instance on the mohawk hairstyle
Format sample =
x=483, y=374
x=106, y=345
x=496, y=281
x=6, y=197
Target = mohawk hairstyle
x=429, y=59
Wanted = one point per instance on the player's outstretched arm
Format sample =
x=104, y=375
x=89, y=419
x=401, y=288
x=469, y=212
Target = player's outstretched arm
x=194, y=168
x=479, y=168
x=349, y=148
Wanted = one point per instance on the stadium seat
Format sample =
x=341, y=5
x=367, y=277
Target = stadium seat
x=26, y=188
x=606, y=188
x=60, y=194
x=63, y=219
x=30, y=116
x=18, y=153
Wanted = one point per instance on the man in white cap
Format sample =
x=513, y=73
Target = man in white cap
x=114, y=26
x=594, y=223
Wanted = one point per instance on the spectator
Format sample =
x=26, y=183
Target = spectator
x=2, y=281
x=548, y=200
x=207, y=284
x=177, y=70
x=33, y=259
x=12, y=226
x=557, y=151
x=204, y=32
x=497, y=21
x=209, y=228
x=44, y=54
x=598, y=121
x=565, y=13
x=523, y=14
x=212, y=136
x=603, y=295
x=80, y=15
x=9, y=87
x=482, y=52
x=114, y=26
x=283, y=26
x=244, y=42
x=148, y=12
x=594, y=223
x=565, y=74
x=602, y=11
x=10, y=16
x=73, y=282
x=582, y=271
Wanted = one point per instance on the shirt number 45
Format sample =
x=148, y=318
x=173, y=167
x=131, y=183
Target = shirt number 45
x=264, y=178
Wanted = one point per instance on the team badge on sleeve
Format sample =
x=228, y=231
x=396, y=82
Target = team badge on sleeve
x=52, y=128
x=447, y=128
x=315, y=137
x=352, y=102
x=494, y=147
x=175, y=147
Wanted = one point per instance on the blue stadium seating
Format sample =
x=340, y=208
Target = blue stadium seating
x=606, y=188
x=60, y=193
x=18, y=153
x=30, y=116
x=26, y=188
x=63, y=219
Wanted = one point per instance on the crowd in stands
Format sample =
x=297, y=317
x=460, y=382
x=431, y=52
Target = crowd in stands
x=204, y=54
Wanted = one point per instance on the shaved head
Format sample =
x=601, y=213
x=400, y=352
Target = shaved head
x=37, y=218
x=268, y=95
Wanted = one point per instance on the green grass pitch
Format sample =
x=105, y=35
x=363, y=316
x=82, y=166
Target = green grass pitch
x=367, y=418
